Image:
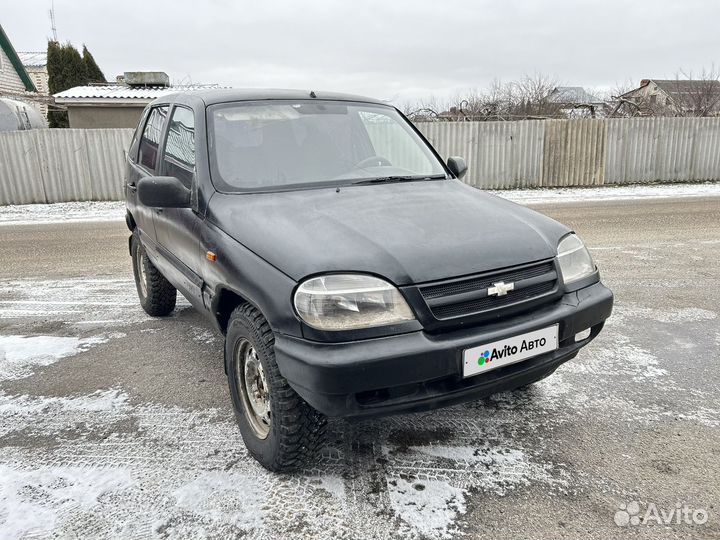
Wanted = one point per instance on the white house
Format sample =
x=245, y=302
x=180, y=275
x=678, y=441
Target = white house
x=15, y=82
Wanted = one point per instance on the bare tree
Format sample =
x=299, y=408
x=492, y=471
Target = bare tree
x=696, y=97
x=528, y=97
x=532, y=97
x=620, y=104
x=426, y=110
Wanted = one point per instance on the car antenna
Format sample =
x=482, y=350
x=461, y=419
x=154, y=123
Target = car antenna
x=312, y=94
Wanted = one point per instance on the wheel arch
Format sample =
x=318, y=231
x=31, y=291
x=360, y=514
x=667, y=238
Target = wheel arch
x=130, y=221
x=224, y=303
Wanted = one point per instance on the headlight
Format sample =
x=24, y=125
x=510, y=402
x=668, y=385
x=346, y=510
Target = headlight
x=575, y=260
x=350, y=301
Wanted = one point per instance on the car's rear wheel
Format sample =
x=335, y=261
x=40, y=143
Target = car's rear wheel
x=157, y=295
x=279, y=428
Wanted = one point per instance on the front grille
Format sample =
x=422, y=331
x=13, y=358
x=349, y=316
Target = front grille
x=483, y=282
x=469, y=296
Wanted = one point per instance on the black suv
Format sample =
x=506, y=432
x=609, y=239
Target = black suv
x=350, y=270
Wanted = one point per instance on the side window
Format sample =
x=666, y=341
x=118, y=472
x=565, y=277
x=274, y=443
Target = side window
x=179, y=156
x=135, y=142
x=150, y=140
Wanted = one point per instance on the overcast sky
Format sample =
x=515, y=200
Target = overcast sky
x=390, y=49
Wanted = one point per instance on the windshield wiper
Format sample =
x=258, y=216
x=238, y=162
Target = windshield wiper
x=398, y=178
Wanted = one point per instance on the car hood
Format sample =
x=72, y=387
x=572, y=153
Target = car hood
x=410, y=232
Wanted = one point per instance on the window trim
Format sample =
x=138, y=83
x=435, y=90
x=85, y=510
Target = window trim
x=161, y=143
x=166, y=134
x=137, y=134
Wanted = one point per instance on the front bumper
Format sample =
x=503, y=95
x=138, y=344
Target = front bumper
x=418, y=370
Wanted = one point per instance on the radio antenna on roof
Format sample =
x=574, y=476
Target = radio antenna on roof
x=52, y=20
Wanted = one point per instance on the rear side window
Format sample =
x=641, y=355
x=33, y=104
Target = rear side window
x=179, y=156
x=135, y=143
x=150, y=140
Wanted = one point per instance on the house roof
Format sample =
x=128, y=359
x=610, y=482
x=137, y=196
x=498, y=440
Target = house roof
x=572, y=94
x=33, y=59
x=9, y=50
x=118, y=92
x=677, y=89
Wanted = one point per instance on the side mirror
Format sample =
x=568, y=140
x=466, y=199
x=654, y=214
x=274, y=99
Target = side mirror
x=163, y=192
x=457, y=166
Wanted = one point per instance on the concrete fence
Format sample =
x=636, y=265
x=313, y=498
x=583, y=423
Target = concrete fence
x=77, y=164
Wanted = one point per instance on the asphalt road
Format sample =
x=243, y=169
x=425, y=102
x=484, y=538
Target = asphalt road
x=114, y=424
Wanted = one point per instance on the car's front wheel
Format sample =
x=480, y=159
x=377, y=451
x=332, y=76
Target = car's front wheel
x=157, y=295
x=279, y=428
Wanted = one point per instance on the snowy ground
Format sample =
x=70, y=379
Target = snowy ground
x=110, y=211
x=116, y=425
x=40, y=214
x=609, y=193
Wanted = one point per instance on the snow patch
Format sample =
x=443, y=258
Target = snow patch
x=608, y=193
x=623, y=359
x=203, y=336
x=209, y=494
x=90, y=302
x=32, y=500
x=624, y=312
x=334, y=485
x=71, y=212
x=494, y=468
x=13, y=408
x=705, y=416
x=19, y=354
x=429, y=507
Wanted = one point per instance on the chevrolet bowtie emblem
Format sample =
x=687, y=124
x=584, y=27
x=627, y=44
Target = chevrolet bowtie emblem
x=500, y=288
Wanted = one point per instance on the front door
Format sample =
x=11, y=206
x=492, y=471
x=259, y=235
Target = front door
x=177, y=228
x=142, y=161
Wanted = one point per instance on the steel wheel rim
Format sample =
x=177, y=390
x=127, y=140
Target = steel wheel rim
x=142, y=275
x=253, y=389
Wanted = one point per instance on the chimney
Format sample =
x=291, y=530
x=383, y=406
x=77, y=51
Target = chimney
x=146, y=78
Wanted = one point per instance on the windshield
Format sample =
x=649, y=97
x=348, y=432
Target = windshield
x=280, y=144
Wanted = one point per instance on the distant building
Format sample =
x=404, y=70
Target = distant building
x=15, y=82
x=575, y=101
x=674, y=97
x=35, y=64
x=118, y=105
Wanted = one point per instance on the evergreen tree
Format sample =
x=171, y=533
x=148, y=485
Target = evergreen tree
x=66, y=69
x=92, y=70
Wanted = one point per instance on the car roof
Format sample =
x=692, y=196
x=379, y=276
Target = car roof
x=224, y=95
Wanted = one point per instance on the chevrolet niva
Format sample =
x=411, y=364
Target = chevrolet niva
x=350, y=270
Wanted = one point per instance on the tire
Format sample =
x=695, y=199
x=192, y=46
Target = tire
x=281, y=431
x=157, y=296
